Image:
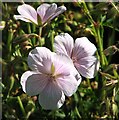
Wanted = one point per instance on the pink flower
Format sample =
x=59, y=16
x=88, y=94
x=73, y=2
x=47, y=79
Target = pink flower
x=52, y=77
x=82, y=53
x=45, y=12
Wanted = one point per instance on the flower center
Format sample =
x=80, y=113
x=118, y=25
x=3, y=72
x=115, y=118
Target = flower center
x=74, y=59
x=52, y=77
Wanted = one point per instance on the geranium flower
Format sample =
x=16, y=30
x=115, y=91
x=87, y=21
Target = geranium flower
x=52, y=77
x=82, y=53
x=45, y=12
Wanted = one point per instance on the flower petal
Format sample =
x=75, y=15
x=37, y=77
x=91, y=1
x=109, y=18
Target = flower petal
x=20, y=17
x=50, y=12
x=83, y=47
x=68, y=84
x=40, y=59
x=64, y=44
x=64, y=67
x=87, y=66
x=51, y=97
x=41, y=10
x=28, y=12
x=77, y=76
x=24, y=78
x=35, y=83
x=61, y=67
x=59, y=10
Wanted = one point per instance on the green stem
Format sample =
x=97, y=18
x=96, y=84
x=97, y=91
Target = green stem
x=98, y=34
x=11, y=82
x=52, y=40
x=115, y=74
x=1, y=85
x=96, y=30
x=78, y=114
x=10, y=37
x=40, y=33
x=33, y=31
x=87, y=13
x=116, y=8
x=21, y=106
x=29, y=28
x=100, y=45
x=29, y=32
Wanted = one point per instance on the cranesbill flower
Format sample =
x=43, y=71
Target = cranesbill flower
x=44, y=13
x=52, y=77
x=82, y=53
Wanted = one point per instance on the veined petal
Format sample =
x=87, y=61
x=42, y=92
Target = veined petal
x=36, y=83
x=77, y=76
x=87, y=66
x=64, y=44
x=24, y=78
x=68, y=84
x=62, y=64
x=41, y=10
x=61, y=101
x=40, y=59
x=20, y=17
x=28, y=12
x=59, y=10
x=51, y=97
x=64, y=67
x=83, y=48
x=50, y=12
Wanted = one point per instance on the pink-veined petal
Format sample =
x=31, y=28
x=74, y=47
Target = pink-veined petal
x=64, y=66
x=59, y=10
x=64, y=43
x=28, y=12
x=20, y=17
x=83, y=48
x=40, y=59
x=41, y=10
x=68, y=84
x=87, y=66
x=24, y=78
x=36, y=83
x=50, y=12
x=51, y=97
x=77, y=76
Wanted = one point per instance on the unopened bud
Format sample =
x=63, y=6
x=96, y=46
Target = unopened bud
x=111, y=50
x=2, y=25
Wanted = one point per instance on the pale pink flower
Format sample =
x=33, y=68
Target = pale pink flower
x=44, y=13
x=52, y=77
x=82, y=53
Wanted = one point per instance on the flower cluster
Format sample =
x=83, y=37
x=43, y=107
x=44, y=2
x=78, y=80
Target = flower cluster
x=55, y=75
